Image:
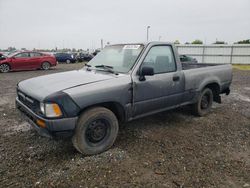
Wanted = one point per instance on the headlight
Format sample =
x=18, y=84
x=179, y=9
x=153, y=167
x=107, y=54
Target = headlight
x=50, y=109
x=42, y=108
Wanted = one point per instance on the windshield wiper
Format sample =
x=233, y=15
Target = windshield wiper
x=104, y=66
x=107, y=68
x=87, y=65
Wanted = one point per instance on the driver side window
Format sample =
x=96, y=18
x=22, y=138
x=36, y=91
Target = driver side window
x=22, y=55
x=161, y=59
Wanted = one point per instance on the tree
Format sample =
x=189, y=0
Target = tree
x=219, y=42
x=176, y=42
x=11, y=49
x=243, y=42
x=197, y=41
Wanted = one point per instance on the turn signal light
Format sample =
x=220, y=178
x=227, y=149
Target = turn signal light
x=56, y=109
x=40, y=123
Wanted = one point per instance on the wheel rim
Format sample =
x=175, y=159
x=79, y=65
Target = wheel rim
x=46, y=66
x=97, y=131
x=4, y=68
x=68, y=61
x=205, y=101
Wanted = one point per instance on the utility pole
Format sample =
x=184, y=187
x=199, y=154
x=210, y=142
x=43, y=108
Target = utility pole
x=147, y=32
x=101, y=43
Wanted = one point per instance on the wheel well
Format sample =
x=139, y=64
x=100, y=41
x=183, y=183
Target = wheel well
x=7, y=64
x=216, y=91
x=46, y=62
x=115, y=107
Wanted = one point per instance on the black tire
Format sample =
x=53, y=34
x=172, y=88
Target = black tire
x=4, y=68
x=45, y=65
x=96, y=131
x=204, y=103
x=68, y=61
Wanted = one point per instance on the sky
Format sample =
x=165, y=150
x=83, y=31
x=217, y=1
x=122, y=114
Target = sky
x=81, y=24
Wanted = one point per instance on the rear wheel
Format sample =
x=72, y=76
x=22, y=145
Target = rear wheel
x=96, y=131
x=45, y=65
x=68, y=61
x=4, y=68
x=204, y=103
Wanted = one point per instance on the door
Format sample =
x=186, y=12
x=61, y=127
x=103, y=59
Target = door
x=20, y=61
x=59, y=57
x=162, y=90
x=35, y=60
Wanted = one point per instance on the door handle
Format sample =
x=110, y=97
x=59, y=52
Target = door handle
x=176, y=78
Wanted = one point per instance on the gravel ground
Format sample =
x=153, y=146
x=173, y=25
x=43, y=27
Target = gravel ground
x=170, y=149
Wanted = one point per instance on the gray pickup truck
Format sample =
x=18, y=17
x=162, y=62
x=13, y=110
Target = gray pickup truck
x=122, y=83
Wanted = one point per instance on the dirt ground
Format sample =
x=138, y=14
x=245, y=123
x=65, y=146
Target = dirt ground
x=170, y=149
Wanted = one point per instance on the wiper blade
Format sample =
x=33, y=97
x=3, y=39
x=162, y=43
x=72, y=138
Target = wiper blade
x=104, y=66
x=88, y=67
x=107, y=68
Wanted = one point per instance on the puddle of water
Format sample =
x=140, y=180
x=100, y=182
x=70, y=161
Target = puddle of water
x=238, y=96
x=22, y=127
x=4, y=100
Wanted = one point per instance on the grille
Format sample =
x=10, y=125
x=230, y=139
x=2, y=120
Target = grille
x=28, y=101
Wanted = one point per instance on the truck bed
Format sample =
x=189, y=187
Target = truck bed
x=187, y=66
x=199, y=74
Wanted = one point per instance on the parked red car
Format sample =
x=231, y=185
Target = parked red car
x=27, y=60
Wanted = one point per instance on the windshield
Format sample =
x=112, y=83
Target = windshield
x=120, y=57
x=10, y=54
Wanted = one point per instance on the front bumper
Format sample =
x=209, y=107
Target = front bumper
x=54, y=127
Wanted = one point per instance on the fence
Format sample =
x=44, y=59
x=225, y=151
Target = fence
x=234, y=54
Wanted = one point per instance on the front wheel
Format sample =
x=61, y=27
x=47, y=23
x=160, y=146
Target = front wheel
x=96, y=131
x=4, y=68
x=45, y=65
x=204, y=103
x=68, y=61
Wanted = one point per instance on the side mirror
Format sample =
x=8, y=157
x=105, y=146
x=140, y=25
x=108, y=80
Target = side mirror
x=146, y=71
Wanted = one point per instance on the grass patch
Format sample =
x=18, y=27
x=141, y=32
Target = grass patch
x=241, y=67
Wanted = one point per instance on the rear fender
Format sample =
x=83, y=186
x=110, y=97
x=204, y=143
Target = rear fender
x=207, y=82
x=214, y=85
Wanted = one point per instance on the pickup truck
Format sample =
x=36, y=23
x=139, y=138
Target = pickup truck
x=122, y=83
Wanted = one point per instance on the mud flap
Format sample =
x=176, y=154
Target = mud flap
x=217, y=99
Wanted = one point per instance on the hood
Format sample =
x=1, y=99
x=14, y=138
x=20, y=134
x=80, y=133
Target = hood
x=42, y=86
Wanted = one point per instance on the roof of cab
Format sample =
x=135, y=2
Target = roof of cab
x=143, y=43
